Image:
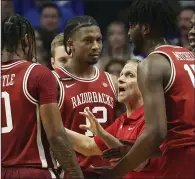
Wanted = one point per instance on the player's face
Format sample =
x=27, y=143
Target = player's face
x=87, y=44
x=136, y=37
x=60, y=57
x=127, y=84
x=191, y=34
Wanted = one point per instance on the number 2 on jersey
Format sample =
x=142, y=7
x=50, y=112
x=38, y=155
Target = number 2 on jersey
x=8, y=114
x=100, y=120
x=188, y=69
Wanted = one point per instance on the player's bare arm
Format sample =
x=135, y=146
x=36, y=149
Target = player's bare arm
x=59, y=140
x=151, y=75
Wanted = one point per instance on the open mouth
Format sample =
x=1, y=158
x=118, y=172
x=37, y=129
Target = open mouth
x=121, y=90
x=192, y=40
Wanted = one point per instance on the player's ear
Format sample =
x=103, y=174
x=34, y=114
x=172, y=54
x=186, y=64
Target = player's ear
x=24, y=41
x=53, y=62
x=145, y=29
x=70, y=44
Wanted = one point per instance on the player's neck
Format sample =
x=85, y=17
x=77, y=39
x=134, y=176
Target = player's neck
x=133, y=106
x=7, y=56
x=152, y=44
x=80, y=70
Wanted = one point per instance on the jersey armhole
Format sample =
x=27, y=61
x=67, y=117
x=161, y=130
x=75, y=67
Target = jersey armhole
x=62, y=92
x=173, y=71
x=25, y=84
x=111, y=84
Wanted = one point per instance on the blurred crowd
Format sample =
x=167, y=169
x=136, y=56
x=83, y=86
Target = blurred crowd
x=49, y=17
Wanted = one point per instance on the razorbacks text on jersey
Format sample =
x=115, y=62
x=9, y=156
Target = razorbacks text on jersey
x=97, y=93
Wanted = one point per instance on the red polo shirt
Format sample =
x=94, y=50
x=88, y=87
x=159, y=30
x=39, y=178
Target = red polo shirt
x=130, y=128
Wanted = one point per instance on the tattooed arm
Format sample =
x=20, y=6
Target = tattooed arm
x=46, y=87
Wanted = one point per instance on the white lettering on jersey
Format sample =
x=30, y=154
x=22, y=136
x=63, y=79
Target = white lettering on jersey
x=92, y=97
x=184, y=55
x=8, y=80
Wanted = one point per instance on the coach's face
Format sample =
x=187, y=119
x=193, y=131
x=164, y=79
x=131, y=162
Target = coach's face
x=60, y=57
x=191, y=34
x=87, y=44
x=136, y=38
x=127, y=84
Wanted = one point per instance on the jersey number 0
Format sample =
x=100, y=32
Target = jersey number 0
x=9, y=124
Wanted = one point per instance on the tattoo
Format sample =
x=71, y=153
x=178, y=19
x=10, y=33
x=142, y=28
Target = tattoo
x=65, y=155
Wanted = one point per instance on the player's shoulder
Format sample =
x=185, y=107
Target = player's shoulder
x=155, y=62
x=40, y=71
x=154, y=68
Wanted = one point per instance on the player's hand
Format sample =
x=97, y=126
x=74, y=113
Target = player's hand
x=94, y=126
x=115, y=154
x=101, y=169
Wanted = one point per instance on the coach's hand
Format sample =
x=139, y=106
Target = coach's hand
x=94, y=125
x=115, y=154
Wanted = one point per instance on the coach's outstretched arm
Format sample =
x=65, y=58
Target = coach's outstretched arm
x=53, y=126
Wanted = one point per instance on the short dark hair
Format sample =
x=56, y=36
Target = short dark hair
x=160, y=14
x=50, y=5
x=13, y=29
x=74, y=24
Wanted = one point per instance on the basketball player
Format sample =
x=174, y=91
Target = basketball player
x=191, y=35
x=83, y=85
x=59, y=56
x=31, y=121
x=166, y=81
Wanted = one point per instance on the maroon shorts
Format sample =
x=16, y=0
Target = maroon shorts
x=27, y=173
x=178, y=164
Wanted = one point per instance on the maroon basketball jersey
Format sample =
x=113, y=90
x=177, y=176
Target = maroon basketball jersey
x=24, y=143
x=97, y=93
x=179, y=97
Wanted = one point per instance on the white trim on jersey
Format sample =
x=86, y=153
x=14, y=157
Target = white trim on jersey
x=40, y=145
x=94, y=78
x=62, y=92
x=172, y=46
x=111, y=83
x=52, y=173
x=173, y=71
x=6, y=67
x=25, y=80
x=39, y=141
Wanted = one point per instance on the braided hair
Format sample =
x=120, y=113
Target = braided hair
x=160, y=14
x=75, y=24
x=13, y=29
